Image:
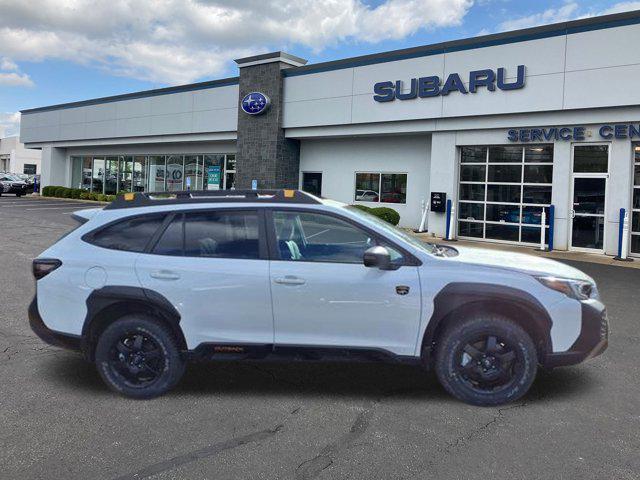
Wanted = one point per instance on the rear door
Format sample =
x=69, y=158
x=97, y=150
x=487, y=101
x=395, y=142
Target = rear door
x=212, y=266
x=323, y=295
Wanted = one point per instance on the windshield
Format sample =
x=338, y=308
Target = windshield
x=388, y=228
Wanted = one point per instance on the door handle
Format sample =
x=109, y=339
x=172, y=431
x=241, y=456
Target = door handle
x=164, y=275
x=289, y=280
x=573, y=214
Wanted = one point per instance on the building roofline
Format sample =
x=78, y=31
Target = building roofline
x=503, y=38
x=516, y=36
x=278, y=56
x=142, y=94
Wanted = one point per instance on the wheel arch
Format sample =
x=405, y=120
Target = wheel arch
x=460, y=300
x=112, y=302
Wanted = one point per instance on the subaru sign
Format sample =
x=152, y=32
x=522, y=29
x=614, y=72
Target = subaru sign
x=255, y=103
x=425, y=87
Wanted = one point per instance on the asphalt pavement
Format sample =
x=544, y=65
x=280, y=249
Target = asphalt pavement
x=301, y=421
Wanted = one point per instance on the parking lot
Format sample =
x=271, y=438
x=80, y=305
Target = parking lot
x=305, y=420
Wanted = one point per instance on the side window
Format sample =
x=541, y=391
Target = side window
x=220, y=234
x=131, y=234
x=314, y=237
x=172, y=240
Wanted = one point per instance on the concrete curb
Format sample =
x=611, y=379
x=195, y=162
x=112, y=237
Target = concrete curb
x=77, y=200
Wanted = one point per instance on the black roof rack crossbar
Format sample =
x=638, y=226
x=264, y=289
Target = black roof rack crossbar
x=149, y=199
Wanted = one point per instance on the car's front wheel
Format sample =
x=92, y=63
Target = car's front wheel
x=139, y=357
x=486, y=360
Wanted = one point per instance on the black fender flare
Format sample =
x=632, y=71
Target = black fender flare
x=111, y=302
x=458, y=299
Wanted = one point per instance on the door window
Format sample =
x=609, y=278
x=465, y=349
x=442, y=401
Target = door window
x=313, y=237
x=220, y=234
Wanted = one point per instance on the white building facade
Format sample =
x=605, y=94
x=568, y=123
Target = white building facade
x=15, y=158
x=504, y=126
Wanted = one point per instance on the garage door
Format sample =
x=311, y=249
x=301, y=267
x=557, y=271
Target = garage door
x=502, y=192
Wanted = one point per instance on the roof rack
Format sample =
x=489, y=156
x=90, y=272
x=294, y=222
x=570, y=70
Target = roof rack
x=149, y=199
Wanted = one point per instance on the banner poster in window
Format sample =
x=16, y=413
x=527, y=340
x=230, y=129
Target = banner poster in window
x=213, y=177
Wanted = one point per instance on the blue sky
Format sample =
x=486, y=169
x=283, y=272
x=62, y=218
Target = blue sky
x=56, y=51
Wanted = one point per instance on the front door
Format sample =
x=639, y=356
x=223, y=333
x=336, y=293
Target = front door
x=589, y=192
x=312, y=183
x=323, y=295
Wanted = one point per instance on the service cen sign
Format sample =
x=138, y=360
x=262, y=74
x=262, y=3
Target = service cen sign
x=425, y=87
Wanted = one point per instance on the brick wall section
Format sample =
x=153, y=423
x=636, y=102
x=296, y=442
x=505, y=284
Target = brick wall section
x=263, y=151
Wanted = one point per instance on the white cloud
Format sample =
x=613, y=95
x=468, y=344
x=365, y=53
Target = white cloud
x=551, y=15
x=571, y=10
x=176, y=41
x=9, y=123
x=6, y=64
x=11, y=76
x=13, y=79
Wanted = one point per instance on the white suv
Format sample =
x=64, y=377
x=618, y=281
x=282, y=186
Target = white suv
x=148, y=283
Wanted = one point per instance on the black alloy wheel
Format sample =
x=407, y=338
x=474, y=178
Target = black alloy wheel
x=138, y=356
x=138, y=359
x=486, y=359
x=488, y=363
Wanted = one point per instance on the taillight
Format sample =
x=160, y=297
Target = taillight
x=44, y=266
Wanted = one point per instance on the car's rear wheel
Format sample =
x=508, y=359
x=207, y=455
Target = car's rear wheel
x=138, y=357
x=486, y=360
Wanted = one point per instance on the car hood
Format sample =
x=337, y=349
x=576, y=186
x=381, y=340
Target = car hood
x=521, y=262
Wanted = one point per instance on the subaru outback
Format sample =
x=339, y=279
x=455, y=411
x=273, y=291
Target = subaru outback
x=151, y=282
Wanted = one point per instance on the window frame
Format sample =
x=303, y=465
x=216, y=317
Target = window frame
x=263, y=251
x=380, y=173
x=410, y=260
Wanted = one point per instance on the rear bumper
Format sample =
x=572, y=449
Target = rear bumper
x=57, y=339
x=592, y=341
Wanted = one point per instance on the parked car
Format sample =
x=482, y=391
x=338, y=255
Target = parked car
x=366, y=196
x=392, y=198
x=146, y=284
x=13, y=184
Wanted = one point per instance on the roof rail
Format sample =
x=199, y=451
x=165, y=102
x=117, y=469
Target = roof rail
x=150, y=199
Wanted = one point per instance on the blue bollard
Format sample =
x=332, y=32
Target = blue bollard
x=448, y=219
x=552, y=215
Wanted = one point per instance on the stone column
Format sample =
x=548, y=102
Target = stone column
x=264, y=154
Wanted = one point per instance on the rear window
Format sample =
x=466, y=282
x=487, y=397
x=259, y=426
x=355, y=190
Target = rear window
x=131, y=234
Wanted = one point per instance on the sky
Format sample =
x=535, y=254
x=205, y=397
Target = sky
x=57, y=51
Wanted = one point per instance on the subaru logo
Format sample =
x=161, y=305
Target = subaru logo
x=255, y=103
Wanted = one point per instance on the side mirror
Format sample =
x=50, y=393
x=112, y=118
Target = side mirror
x=377, y=257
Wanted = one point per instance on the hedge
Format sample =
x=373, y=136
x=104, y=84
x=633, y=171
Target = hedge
x=387, y=214
x=64, y=192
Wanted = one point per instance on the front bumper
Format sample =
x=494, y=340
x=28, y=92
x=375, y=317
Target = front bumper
x=57, y=339
x=592, y=341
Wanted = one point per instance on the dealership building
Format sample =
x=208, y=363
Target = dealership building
x=504, y=126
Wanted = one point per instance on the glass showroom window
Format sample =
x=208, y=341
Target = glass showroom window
x=503, y=190
x=381, y=187
x=635, y=212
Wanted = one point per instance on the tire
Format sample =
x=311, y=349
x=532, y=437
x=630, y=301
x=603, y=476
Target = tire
x=139, y=357
x=486, y=360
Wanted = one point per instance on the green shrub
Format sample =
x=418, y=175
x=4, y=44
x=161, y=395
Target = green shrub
x=76, y=192
x=48, y=191
x=364, y=208
x=387, y=214
x=84, y=195
x=110, y=198
x=57, y=191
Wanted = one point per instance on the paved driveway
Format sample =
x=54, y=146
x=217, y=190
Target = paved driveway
x=274, y=421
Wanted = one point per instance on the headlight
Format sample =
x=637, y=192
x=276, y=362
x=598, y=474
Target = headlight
x=578, y=289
